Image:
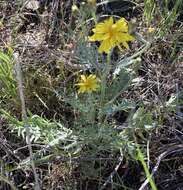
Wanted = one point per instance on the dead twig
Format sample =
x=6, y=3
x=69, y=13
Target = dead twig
x=3, y=178
x=24, y=117
x=109, y=179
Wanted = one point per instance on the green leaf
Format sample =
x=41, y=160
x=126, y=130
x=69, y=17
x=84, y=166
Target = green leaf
x=124, y=105
x=120, y=83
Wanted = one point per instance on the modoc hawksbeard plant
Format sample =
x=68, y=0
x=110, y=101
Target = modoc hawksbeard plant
x=111, y=34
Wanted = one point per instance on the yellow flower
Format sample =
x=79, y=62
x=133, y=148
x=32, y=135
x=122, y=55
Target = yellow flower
x=111, y=34
x=88, y=83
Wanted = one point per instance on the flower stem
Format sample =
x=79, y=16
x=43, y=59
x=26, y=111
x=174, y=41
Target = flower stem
x=104, y=80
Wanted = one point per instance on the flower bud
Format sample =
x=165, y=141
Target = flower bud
x=151, y=29
x=75, y=9
x=91, y=3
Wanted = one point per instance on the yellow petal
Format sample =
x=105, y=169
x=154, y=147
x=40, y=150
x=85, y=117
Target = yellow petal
x=96, y=37
x=121, y=25
x=100, y=28
x=109, y=22
x=125, y=45
x=105, y=46
x=79, y=84
x=124, y=37
x=83, y=77
x=93, y=77
x=106, y=36
x=103, y=27
x=113, y=42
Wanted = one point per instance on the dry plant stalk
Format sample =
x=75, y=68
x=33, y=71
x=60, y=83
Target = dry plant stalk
x=24, y=116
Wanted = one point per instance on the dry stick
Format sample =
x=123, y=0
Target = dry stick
x=179, y=114
x=109, y=179
x=3, y=178
x=24, y=117
x=173, y=149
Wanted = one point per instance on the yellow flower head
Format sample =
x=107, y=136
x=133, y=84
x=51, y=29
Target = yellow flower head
x=88, y=83
x=111, y=34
